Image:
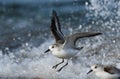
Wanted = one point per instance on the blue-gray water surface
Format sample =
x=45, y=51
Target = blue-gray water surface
x=22, y=22
x=25, y=35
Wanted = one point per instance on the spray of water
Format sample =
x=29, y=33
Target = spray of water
x=31, y=62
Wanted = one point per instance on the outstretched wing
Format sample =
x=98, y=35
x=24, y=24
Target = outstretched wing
x=71, y=40
x=111, y=69
x=56, y=28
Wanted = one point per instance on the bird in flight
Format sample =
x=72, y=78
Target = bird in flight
x=65, y=47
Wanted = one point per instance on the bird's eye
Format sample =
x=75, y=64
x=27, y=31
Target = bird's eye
x=95, y=67
x=52, y=46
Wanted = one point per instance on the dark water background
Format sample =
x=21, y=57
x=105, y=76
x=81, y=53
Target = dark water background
x=29, y=21
x=25, y=35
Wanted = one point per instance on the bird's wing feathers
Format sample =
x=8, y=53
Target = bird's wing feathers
x=111, y=69
x=71, y=40
x=56, y=28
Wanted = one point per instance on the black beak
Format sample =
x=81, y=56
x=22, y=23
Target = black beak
x=47, y=51
x=90, y=71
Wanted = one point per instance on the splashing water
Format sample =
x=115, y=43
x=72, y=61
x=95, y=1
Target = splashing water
x=30, y=61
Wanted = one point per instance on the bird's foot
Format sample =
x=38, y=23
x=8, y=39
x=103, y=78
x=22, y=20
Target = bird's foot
x=59, y=70
x=54, y=67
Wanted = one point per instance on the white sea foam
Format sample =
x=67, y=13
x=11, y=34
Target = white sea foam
x=28, y=62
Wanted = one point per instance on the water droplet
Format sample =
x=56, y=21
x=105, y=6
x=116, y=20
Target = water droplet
x=113, y=41
x=80, y=26
x=26, y=44
x=86, y=3
x=29, y=35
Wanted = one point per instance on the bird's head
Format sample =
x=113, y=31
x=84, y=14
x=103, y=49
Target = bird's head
x=53, y=48
x=95, y=68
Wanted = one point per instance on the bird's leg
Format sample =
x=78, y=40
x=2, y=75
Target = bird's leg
x=63, y=66
x=58, y=64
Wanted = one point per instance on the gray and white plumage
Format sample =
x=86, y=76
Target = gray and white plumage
x=64, y=47
x=105, y=71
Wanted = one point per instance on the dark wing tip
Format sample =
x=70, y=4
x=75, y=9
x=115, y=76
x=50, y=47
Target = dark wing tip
x=55, y=27
x=95, y=34
x=54, y=13
x=111, y=69
x=99, y=33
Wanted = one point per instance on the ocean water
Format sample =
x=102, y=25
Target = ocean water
x=25, y=35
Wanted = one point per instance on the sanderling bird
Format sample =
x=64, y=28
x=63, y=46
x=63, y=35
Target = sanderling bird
x=105, y=71
x=65, y=47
